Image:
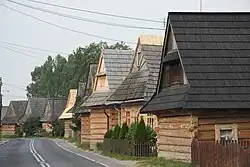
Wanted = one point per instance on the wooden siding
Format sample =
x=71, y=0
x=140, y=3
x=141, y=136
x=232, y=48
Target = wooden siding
x=8, y=129
x=99, y=124
x=67, y=129
x=174, y=137
x=206, y=124
x=85, y=128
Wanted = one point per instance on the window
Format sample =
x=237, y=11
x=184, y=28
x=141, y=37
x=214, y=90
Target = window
x=226, y=132
x=150, y=120
x=175, y=74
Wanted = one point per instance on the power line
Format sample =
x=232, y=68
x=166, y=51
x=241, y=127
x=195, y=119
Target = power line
x=97, y=13
x=13, y=50
x=65, y=28
x=13, y=85
x=34, y=48
x=85, y=19
x=19, y=49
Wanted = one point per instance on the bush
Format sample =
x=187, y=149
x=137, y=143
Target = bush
x=32, y=126
x=123, y=131
x=18, y=132
x=85, y=145
x=99, y=146
x=151, y=134
x=58, y=128
x=131, y=132
x=115, y=134
x=140, y=132
x=108, y=134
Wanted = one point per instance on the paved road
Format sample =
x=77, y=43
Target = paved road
x=39, y=153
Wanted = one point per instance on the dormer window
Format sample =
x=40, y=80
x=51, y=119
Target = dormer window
x=175, y=74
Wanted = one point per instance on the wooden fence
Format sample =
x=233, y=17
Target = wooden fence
x=223, y=154
x=139, y=149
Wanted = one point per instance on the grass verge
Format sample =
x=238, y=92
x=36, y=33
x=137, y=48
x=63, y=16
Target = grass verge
x=161, y=162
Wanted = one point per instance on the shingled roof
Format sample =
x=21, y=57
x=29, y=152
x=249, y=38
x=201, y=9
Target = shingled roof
x=4, y=111
x=117, y=64
x=53, y=109
x=15, y=111
x=35, y=108
x=214, y=49
x=141, y=84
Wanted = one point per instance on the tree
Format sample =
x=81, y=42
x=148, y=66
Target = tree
x=123, y=131
x=140, y=132
x=58, y=128
x=32, y=126
x=116, y=132
x=56, y=76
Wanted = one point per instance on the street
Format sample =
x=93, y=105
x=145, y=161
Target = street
x=40, y=153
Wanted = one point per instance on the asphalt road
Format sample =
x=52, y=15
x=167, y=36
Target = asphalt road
x=39, y=153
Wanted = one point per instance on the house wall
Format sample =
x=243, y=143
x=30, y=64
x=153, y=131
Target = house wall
x=207, y=124
x=98, y=124
x=47, y=126
x=68, y=131
x=85, y=128
x=130, y=114
x=174, y=137
x=8, y=129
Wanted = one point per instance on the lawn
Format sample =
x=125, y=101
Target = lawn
x=161, y=162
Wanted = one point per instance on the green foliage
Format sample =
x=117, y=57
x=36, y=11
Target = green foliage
x=85, y=145
x=76, y=123
x=151, y=134
x=99, y=146
x=19, y=132
x=56, y=76
x=131, y=132
x=115, y=134
x=140, y=132
x=123, y=131
x=58, y=128
x=32, y=126
x=108, y=134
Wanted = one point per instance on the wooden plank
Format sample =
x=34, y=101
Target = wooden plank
x=202, y=128
x=244, y=134
x=244, y=126
x=175, y=133
x=207, y=135
x=99, y=126
x=98, y=131
x=176, y=149
x=163, y=140
x=179, y=119
x=172, y=126
x=224, y=120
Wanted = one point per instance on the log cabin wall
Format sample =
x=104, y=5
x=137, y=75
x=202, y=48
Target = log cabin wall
x=174, y=137
x=8, y=129
x=85, y=128
x=207, y=124
x=68, y=132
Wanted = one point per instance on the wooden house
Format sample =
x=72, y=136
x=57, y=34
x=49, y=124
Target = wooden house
x=54, y=109
x=35, y=109
x=67, y=117
x=140, y=84
x=203, y=90
x=11, y=120
x=112, y=69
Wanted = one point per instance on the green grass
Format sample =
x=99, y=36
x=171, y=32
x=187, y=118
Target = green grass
x=123, y=157
x=161, y=162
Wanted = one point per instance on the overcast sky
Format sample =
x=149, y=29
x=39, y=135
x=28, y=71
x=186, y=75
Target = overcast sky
x=19, y=29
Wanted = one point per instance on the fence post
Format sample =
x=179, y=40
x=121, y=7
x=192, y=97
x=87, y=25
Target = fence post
x=195, y=153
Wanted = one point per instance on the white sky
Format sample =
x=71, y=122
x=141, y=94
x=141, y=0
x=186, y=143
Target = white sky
x=16, y=28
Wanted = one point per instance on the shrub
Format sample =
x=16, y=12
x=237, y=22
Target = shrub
x=151, y=134
x=123, y=131
x=115, y=134
x=58, y=128
x=99, y=146
x=85, y=145
x=131, y=132
x=18, y=132
x=108, y=134
x=140, y=132
x=32, y=126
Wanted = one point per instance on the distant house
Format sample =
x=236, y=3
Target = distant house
x=35, y=109
x=54, y=109
x=140, y=84
x=67, y=117
x=203, y=90
x=112, y=69
x=11, y=120
x=4, y=111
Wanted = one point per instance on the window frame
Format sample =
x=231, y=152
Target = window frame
x=219, y=127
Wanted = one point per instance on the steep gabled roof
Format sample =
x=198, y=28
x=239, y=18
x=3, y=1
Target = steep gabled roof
x=70, y=103
x=54, y=109
x=15, y=111
x=4, y=112
x=35, y=108
x=141, y=84
x=117, y=64
x=214, y=49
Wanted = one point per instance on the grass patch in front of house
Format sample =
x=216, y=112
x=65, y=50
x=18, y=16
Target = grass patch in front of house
x=123, y=157
x=161, y=162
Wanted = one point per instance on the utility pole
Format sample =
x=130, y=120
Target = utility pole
x=1, y=105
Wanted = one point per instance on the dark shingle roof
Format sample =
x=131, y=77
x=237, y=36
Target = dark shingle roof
x=54, y=109
x=215, y=53
x=141, y=84
x=4, y=111
x=117, y=64
x=35, y=108
x=15, y=111
x=91, y=77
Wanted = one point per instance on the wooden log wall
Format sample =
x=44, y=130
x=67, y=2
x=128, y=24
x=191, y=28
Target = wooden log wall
x=85, y=128
x=8, y=129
